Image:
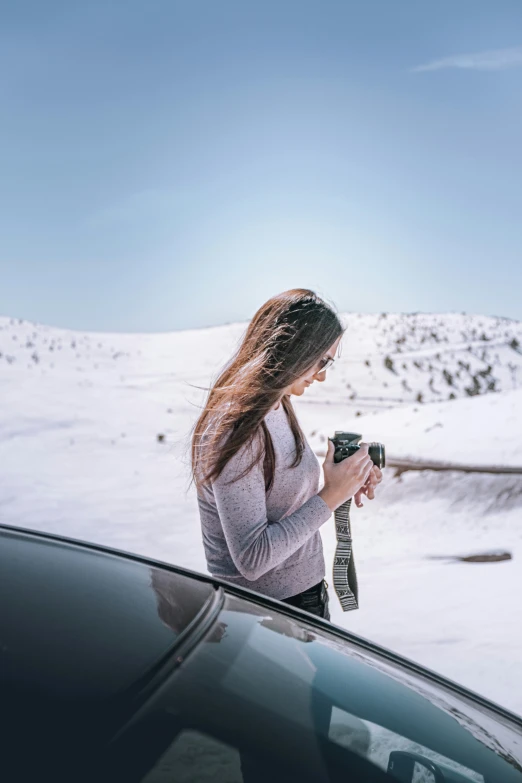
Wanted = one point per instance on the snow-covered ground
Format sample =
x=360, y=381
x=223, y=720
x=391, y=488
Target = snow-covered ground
x=79, y=454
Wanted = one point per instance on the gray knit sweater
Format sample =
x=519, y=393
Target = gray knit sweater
x=267, y=542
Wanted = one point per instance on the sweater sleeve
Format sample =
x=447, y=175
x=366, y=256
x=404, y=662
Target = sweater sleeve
x=256, y=546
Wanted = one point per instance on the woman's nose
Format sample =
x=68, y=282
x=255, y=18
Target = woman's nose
x=320, y=376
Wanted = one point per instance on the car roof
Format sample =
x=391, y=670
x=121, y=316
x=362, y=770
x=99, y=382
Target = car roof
x=87, y=626
x=87, y=634
x=183, y=598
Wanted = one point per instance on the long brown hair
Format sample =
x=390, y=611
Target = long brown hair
x=285, y=338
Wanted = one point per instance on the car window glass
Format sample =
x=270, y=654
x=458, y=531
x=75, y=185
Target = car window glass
x=377, y=742
x=194, y=757
x=296, y=697
x=243, y=717
x=422, y=775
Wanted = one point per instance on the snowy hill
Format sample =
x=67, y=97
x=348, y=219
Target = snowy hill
x=80, y=455
x=387, y=359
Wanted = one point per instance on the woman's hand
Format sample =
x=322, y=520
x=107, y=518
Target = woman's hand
x=368, y=489
x=343, y=480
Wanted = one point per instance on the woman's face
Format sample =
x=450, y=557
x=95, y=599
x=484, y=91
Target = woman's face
x=314, y=373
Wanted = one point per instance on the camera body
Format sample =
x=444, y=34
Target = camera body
x=347, y=443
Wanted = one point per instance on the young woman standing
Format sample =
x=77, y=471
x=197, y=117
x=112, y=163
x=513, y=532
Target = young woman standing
x=257, y=477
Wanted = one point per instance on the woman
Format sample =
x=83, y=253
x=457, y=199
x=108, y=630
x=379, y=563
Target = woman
x=257, y=477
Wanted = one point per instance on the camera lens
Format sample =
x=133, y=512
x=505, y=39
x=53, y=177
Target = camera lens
x=377, y=454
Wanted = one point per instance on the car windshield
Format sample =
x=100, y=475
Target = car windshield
x=266, y=697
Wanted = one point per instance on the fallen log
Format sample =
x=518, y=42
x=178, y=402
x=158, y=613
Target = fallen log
x=403, y=465
x=484, y=557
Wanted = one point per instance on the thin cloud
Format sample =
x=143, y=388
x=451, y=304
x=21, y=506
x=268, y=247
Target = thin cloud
x=494, y=60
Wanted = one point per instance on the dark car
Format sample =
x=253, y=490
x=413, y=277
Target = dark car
x=118, y=668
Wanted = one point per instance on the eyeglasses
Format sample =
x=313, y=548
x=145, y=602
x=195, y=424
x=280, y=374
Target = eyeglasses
x=325, y=363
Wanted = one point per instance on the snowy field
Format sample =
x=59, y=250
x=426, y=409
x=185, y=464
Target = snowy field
x=80, y=455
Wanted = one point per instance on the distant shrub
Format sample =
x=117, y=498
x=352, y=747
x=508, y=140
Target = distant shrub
x=472, y=391
x=448, y=377
x=388, y=363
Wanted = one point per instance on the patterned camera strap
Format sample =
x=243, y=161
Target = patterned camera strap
x=344, y=576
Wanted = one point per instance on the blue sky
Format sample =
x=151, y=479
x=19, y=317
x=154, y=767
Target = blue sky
x=168, y=164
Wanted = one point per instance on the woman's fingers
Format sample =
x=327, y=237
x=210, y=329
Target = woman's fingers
x=374, y=477
x=377, y=472
x=367, y=467
x=361, y=466
x=357, y=473
x=358, y=498
x=372, y=484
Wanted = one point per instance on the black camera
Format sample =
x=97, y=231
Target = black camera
x=347, y=443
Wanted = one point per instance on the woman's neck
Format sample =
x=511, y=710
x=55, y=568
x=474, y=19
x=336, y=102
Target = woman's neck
x=277, y=405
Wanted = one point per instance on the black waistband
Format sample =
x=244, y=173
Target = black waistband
x=317, y=591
